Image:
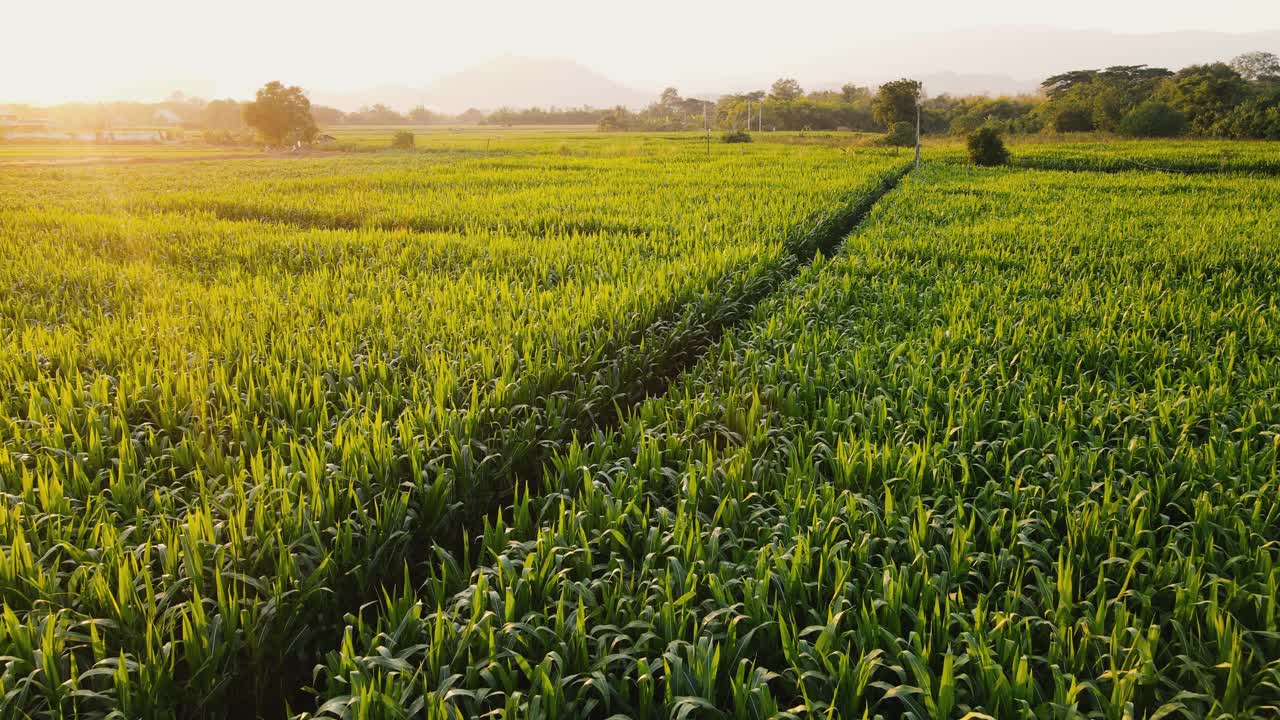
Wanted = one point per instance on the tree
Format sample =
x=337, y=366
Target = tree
x=422, y=116
x=1153, y=119
x=1258, y=65
x=896, y=102
x=1205, y=93
x=223, y=115
x=785, y=90
x=851, y=93
x=280, y=114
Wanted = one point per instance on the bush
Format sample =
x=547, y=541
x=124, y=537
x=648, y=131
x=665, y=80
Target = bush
x=1153, y=119
x=737, y=136
x=1069, y=120
x=986, y=148
x=402, y=140
x=901, y=134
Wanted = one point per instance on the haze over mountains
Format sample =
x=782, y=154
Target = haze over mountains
x=992, y=61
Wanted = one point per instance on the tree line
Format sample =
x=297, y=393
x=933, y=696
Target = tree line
x=1240, y=99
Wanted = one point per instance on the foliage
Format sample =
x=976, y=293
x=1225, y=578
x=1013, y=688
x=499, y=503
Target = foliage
x=1255, y=118
x=896, y=101
x=1205, y=94
x=785, y=90
x=281, y=114
x=901, y=134
x=1085, y=100
x=1153, y=119
x=986, y=148
x=1257, y=66
x=402, y=140
x=1071, y=119
x=736, y=136
x=223, y=115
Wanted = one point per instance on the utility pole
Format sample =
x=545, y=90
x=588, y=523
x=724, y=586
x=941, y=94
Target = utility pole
x=706, y=128
x=748, y=116
x=918, y=128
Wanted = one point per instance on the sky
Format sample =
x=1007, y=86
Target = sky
x=63, y=50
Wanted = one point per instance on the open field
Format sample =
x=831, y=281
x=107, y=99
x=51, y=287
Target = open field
x=567, y=424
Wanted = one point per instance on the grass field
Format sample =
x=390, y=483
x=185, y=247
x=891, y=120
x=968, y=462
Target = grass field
x=566, y=425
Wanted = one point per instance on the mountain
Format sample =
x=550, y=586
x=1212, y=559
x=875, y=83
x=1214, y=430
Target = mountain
x=506, y=81
x=1002, y=60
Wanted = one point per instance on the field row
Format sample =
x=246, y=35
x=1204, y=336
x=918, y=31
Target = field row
x=1013, y=452
x=236, y=400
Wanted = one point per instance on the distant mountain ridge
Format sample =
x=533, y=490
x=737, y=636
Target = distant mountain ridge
x=972, y=62
x=507, y=81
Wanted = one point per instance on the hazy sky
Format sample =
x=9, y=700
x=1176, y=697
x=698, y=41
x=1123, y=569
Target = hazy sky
x=58, y=50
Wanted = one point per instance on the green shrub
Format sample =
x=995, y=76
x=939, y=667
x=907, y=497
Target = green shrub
x=402, y=140
x=736, y=136
x=1153, y=119
x=986, y=148
x=901, y=134
x=1072, y=119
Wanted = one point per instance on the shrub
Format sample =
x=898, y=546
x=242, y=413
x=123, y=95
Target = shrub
x=402, y=140
x=1153, y=119
x=901, y=134
x=1069, y=120
x=737, y=136
x=986, y=148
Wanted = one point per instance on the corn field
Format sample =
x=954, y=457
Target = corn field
x=617, y=428
x=1013, y=453
x=239, y=398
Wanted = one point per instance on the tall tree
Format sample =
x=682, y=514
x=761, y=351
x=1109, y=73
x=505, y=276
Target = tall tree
x=280, y=114
x=851, y=93
x=896, y=101
x=785, y=90
x=1205, y=93
x=1257, y=65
